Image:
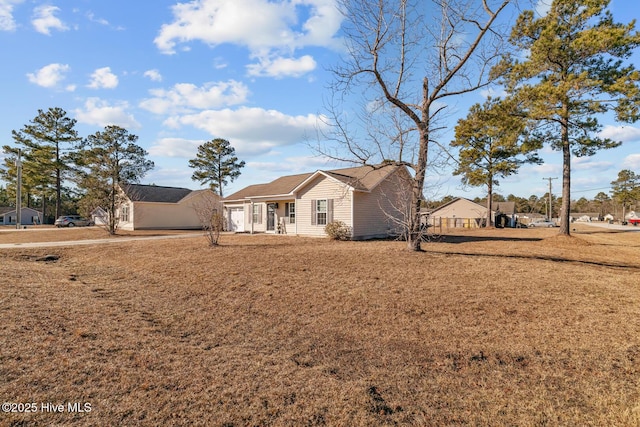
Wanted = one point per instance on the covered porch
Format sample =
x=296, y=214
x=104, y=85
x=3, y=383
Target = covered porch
x=273, y=215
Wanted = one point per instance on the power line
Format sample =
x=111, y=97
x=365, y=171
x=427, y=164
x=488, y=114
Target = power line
x=591, y=189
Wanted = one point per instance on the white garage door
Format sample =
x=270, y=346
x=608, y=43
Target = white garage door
x=236, y=219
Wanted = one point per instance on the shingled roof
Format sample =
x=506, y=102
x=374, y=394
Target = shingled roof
x=362, y=178
x=155, y=193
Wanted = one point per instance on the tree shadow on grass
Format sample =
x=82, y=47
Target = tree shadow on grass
x=453, y=238
x=617, y=266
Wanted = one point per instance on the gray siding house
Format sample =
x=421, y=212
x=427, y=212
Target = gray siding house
x=29, y=216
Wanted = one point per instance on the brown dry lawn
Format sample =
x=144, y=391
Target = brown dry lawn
x=490, y=327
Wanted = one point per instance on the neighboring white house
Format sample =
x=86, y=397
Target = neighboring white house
x=99, y=216
x=370, y=201
x=157, y=207
x=28, y=216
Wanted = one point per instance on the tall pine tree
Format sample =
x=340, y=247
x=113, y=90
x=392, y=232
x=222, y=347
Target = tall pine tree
x=490, y=145
x=110, y=159
x=47, y=142
x=573, y=69
x=216, y=164
x=626, y=189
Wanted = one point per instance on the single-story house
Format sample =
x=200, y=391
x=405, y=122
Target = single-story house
x=462, y=212
x=28, y=216
x=158, y=207
x=369, y=200
x=459, y=212
x=99, y=216
x=584, y=216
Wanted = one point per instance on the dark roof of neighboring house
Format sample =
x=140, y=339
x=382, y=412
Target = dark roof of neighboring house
x=507, y=208
x=155, y=193
x=362, y=178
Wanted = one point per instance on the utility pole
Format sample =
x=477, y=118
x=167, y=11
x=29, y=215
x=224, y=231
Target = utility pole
x=19, y=192
x=550, y=202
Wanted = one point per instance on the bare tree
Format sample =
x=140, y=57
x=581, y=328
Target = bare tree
x=211, y=215
x=408, y=61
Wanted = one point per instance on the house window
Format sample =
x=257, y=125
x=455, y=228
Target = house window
x=290, y=212
x=257, y=214
x=321, y=212
x=124, y=213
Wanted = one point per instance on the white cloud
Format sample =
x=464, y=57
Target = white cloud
x=175, y=147
x=103, y=78
x=267, y=28
x=621, y=133
x=220, y=63
x=92, y=17
x=7, y=23
x=292, y=165
x=44, y=20
x=548, y=169
x=543, y=7
x=632, y=161
x=186, y=97
x=100, y=113
x=251, y=130
x=169, y=176
x=281, y=67
x=588, y=164
x=49, y=75
x=493, y=93
x=153, y=75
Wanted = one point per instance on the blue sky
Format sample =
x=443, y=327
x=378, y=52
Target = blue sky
x=251, y=71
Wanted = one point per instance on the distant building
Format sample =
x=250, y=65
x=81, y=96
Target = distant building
x=28, y=216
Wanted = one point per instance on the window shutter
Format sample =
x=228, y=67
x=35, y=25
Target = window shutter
x=286, y=209
x=314, y=204
x=329, y=210
x=260, y=214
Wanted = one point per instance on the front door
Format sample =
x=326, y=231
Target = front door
x=271, y=216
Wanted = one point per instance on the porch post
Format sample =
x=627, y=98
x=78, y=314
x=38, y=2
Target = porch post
x=251, y=216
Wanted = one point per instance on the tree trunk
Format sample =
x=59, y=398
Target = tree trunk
x=565, y=211
x=414, y=237
x=489, y=223
x=113, y=218
x=58, y=182
x=44, y=208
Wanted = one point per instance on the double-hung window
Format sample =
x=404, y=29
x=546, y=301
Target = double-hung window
x=124, y=213
x=290, y=212
x=257, y=214
x=321, y=212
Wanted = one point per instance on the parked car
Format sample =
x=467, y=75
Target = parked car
x=72, y=221
x=542, y=223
